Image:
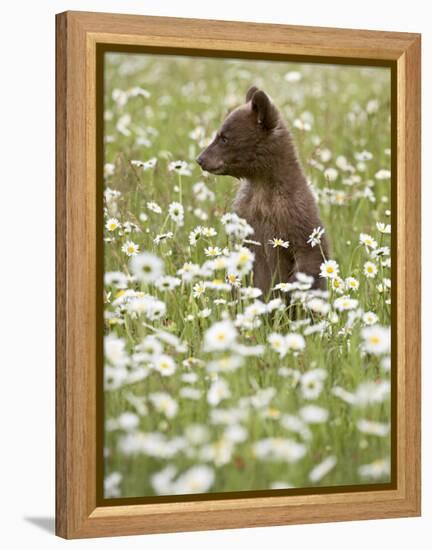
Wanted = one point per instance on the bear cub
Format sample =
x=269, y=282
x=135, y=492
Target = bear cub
x=254, y=145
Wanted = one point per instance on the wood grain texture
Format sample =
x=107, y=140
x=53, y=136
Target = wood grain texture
x=412, y=264
x=236, y=36
x=62, y=449
x=78, y=34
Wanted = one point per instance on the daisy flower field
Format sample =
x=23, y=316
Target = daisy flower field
x=208, y=385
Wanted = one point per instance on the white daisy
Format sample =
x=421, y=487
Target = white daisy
x=229, y=363
x=375, y=470
x=373, y=428
x=167, y=283
x=176, y=213
x=312, y=414
x=109, y=169
x=204, y=313
x=212, y=251
x=312, y=383
x=198, y=479
x=199, y=289
x=277, y=448
x=202, y=192
x=345, y=303
x=148, y=305
x=164, y=403
x=233, y=279
x=112, y=485
x=331, y=174
x=130, y=248
x=250, y=292
x=165, y=365
x=278, y=343
x=163, y=236
x=279, y=243
x=384, y=228
x=293, y=76
x=381, y=252
x=149, y=348
x=112, y=224
x=338, y=285
x=240, y=262
x=275, y=304
x=372, y=392
x=329, y=269
x=189, y=271
x=315, y=236
x=209, y=232
x=376, y=339
x=317, y=305
x=236, y=227
x=351, y=283
x=218, y=391
x=145, y=165
x=325, y=155
x=363, y=156
x=370, y=318
x=367, y=241
x=179, y=166
x=200, y=214
x=154, y=207
x=116, y=278
x=383, y=174
x=322, y=469
x=195, y=235
x=220, y=336
x=370, y=270
x=115, y=351
x=147, y=267
x=304, y=279
x=295, y=342
x=285, y=287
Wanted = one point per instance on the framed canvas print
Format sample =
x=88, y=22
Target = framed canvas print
x=238, y=274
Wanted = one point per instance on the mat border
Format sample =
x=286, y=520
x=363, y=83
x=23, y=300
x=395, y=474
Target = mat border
x=81, y=39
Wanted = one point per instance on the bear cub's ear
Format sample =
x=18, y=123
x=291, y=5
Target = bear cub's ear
x=267, y=114
x=250, y=93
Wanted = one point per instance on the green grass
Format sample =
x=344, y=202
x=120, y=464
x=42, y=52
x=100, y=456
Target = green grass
x=186, y=94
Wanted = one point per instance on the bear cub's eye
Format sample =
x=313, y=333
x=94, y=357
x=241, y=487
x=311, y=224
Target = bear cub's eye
x=223, y=138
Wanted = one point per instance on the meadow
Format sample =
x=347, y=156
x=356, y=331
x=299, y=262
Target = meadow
x=210, y=387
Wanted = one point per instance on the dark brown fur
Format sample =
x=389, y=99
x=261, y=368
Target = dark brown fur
x=255, y=145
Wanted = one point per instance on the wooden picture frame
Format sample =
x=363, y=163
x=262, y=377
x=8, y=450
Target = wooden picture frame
x=79, y=35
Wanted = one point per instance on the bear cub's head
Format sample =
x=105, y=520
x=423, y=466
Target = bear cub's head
x=246, y=139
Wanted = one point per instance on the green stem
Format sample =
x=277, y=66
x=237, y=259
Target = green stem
x=180, y=189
